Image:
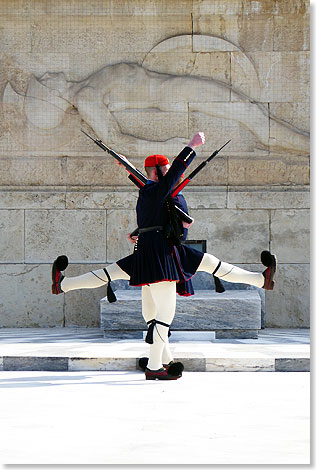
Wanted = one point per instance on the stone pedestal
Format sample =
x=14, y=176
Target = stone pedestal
x=235, y=313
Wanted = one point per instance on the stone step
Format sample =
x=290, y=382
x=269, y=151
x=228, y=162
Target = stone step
x=194, y=363
x=231, y=314
x=84, y=349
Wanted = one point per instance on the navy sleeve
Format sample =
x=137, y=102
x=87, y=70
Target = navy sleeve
x=179, y=165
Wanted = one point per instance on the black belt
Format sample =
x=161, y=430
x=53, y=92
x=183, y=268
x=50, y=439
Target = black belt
x=158, y=228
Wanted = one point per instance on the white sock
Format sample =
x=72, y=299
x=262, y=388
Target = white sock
x=164, y=297
x=160, y=336
x=229, y=272
x=149, y=312
x=93, y=279
x=166, y=353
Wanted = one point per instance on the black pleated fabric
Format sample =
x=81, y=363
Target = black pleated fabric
x=155, y=260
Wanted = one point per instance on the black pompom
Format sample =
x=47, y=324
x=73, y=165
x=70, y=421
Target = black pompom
x=142, y=363
x=61, y=263
x=267, y=259
x=175, y=368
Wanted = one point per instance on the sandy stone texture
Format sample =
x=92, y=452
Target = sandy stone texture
x=233, y=236
x=290, y=235
x=12, y=236
x=25, y=297
x=288, y=304
x=82, y=307
x=144, y=76
x=268, y=198
x=49, y=233
x=119, y=224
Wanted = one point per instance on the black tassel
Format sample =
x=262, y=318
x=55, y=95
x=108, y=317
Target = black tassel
x=110, y=294
x=218, y=285
x=149, y=337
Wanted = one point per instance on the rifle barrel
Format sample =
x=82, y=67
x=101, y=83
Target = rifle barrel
x=138, y=175
x=128, y=166
x=224, y=145
x=196, y=171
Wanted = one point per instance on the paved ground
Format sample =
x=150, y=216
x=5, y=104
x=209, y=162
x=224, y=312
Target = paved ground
x=119, y=418
x=79, y=349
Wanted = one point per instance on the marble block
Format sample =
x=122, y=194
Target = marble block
x=35, y=363
x=292, y=364
x=208, y=310
x=205, y=311
x=87, y=363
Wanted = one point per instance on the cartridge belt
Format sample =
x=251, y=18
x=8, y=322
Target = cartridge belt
x=157, y=228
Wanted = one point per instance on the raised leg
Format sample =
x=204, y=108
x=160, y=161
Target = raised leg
x=90, y=280
x=229, y=272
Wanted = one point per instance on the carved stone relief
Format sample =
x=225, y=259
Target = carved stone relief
x=157, y=104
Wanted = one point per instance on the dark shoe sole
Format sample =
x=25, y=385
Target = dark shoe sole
x=163, y=377
x=160, y=375
x=176, y=368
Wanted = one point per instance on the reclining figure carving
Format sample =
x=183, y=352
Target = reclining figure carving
x=127, y=86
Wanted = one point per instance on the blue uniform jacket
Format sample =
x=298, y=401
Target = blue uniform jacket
x=155, y=258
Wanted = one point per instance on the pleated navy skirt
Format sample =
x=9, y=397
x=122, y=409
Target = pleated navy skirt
x=155, y=259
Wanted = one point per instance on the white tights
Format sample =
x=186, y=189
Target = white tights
x=159, y=303
x=159, y=300
x=93, y=279
x=150, y=311
x=229, y=272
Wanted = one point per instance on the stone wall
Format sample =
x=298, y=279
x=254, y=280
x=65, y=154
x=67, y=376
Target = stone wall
x=144, y=76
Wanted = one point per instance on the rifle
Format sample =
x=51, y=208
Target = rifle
x=136, y=176
x=195, y=172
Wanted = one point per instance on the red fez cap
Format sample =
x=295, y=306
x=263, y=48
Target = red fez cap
x=154, y=160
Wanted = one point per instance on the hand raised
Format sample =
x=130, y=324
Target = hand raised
x=198, y=139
